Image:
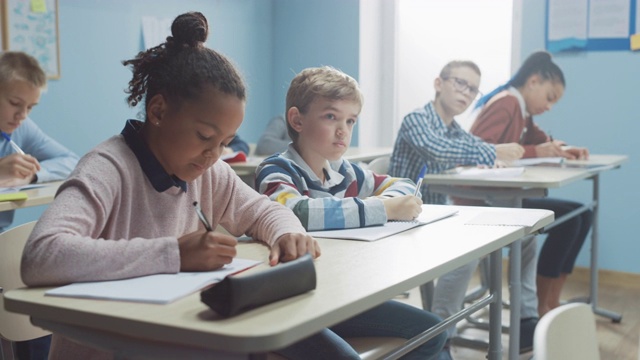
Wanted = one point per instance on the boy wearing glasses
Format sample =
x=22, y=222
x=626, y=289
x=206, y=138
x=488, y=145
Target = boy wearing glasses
x=430, y=136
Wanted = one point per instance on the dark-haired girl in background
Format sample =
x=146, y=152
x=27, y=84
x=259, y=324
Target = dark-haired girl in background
x=507, y=116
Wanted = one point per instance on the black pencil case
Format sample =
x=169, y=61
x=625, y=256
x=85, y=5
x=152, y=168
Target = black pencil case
x=237, y=294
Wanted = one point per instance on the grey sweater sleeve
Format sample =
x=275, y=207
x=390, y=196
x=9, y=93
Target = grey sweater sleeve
x=275, y=138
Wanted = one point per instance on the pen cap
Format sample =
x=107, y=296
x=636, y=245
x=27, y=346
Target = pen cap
x=423, y=172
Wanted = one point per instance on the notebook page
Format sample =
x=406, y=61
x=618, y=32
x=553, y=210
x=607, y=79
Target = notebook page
x=157, y=289
x=372, y=233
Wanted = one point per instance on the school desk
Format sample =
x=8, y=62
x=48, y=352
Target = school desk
x=38, y=196
x=352, y=276
x=535, y=181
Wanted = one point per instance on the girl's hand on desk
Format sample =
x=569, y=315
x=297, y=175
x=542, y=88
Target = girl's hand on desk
x=206, y=250
x=404, y=208
x=576, y=153
x=509, y=152
x=18, y=167
x=291, y=246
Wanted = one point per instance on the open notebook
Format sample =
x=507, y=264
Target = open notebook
x=372, y=233
x=157, y=289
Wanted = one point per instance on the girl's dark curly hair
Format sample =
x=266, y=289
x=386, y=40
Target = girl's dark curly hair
x=181, y=67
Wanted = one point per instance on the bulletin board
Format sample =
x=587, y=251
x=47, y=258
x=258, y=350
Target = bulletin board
x=592, y=25
x=31, y=26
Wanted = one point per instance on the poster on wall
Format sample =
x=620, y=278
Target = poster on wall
x=590, y=25
x=31, y=26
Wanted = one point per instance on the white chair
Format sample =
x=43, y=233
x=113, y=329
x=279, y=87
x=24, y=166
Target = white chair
x=14, y=327
x=565, y=333
x=379, y=165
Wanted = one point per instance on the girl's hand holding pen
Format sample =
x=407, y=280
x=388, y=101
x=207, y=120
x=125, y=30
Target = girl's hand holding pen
x=206, y=250
x=292, y=246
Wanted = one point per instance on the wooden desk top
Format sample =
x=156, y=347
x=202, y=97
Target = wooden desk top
x=38, y=196
x=352, y=276
x=534, y=176
x=353, y=154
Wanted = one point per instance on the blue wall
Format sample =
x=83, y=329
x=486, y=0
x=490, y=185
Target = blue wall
x=599, y=110
x=311, y=33
x=87, y=104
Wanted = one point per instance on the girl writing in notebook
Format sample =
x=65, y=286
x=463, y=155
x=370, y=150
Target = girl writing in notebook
x=127, y=209
x=507, y=116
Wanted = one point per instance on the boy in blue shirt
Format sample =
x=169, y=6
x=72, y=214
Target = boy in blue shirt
x=37, y=157
x=327, y=192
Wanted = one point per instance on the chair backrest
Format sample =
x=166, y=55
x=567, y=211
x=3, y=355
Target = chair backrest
x=380, y=165
x=565, y=333
x=14, y=327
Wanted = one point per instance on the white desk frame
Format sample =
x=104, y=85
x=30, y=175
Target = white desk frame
x=534, y=182
x=352, y=277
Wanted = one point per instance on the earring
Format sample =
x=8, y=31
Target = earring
x=158, y=123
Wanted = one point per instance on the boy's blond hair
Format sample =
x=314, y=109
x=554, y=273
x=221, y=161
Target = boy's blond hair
x=326, y=82
x=15, y=65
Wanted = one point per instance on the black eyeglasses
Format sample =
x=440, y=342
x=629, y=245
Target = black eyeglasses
x=462, y=85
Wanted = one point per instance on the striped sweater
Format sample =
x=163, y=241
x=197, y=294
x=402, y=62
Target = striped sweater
x=347, y=199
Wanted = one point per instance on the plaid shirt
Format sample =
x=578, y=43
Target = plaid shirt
x=424, y=139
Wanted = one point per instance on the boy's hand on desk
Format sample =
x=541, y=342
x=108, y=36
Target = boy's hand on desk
x=291, y=246
x=406, y=207
x=206, y=250
x=509, y=152
x=550, y=149
x=18, y=167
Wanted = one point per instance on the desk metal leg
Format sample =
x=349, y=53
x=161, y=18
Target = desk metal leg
x=495, y=309
x=515, y=286
x=593, y=289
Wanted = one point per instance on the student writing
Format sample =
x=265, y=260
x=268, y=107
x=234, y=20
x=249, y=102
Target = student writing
x=27, y=154
x=127, y=209
x=328, y=192
x=21, y=83
x=507, y=116
x=430, y=135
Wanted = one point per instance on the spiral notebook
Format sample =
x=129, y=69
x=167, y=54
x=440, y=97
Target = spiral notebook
x=373, y=233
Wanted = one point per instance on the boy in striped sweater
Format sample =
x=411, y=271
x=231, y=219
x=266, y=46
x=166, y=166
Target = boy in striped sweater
x=312, y=178
x=326, y=191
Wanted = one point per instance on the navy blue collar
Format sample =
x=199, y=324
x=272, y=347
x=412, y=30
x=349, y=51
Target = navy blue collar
x=150, y=165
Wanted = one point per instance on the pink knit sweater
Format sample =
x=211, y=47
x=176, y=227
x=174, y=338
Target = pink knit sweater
x=108, y=222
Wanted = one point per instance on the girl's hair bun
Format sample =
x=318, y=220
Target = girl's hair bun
x=190, y=29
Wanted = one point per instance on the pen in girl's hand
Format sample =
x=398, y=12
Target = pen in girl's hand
x=419, y=180
x=204, y=220
x=15, y=146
